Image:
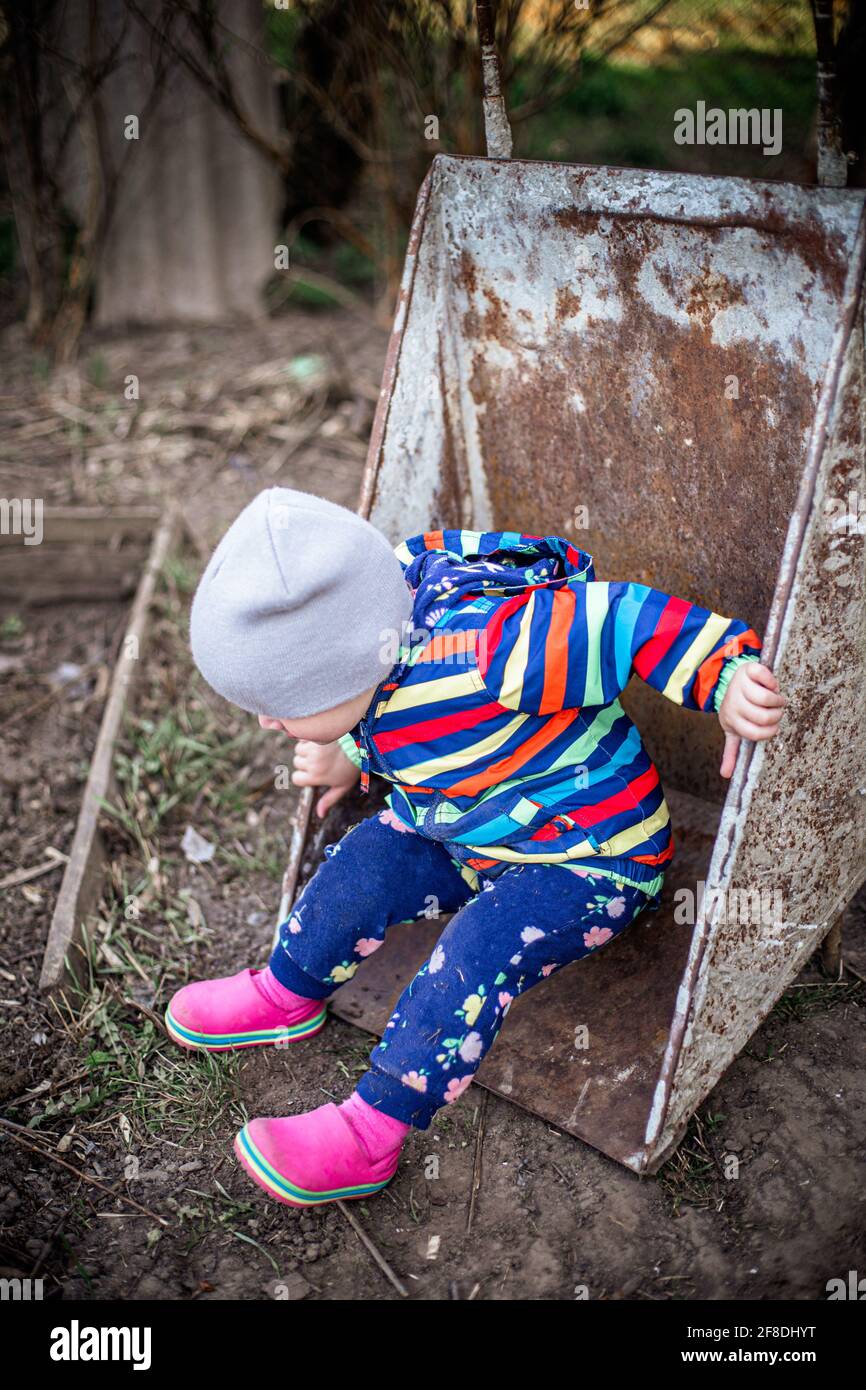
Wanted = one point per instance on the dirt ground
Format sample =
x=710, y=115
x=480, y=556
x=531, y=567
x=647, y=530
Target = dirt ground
x=91, y=1080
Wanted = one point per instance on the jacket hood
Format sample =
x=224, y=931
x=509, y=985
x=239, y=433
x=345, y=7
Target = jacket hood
x=491, y=563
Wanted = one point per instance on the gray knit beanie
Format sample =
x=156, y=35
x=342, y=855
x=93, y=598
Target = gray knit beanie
x=295, y=609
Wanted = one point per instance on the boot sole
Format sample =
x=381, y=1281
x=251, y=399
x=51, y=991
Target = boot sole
x=225, y=1042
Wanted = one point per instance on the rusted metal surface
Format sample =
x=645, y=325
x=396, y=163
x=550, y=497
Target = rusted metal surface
x=662, y=367
x=795, y=820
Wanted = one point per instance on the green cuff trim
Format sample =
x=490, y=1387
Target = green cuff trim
x=730, y=666
x=350, y=748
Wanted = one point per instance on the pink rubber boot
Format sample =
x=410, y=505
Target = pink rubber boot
x=337, y=1152
x=251, y=1009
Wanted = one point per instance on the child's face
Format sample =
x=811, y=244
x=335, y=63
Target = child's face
x=323, y=728
x=316, y=727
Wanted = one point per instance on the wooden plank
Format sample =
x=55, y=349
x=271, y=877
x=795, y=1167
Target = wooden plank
x=79, y=891
x=84, y=525
x=56, y=573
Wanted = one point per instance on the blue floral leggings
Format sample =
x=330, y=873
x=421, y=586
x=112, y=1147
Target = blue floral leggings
x=520, y=927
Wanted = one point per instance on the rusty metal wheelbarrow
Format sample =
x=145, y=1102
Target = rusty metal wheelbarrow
x=669, y=369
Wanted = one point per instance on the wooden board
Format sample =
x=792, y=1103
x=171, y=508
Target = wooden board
x=79, y=890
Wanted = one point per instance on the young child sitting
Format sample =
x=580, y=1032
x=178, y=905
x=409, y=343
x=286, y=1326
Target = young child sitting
x=479, y=673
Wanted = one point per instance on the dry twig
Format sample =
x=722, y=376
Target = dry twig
x=373, y=1251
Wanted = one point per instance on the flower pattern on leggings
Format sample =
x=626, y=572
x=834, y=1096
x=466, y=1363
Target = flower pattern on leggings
x=502, y=939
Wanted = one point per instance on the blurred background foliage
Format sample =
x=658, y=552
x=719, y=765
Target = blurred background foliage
x=370, y=90
x=597, y=83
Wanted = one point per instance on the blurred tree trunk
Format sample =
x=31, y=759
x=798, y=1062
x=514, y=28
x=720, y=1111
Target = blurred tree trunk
x=138, y=192
x=851, y=63
x=327, y=106
x=192, y=235
x=832, y=163
x=36, y=200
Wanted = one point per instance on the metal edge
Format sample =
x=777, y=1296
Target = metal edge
x=850, y=194
x=300, y=821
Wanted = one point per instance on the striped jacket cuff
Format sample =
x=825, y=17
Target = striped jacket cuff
x=350, y=748
x=730, y=666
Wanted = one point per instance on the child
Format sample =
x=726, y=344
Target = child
x=479, y=673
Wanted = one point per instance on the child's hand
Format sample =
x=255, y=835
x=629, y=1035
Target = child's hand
x=752, y=708
x=323, y=765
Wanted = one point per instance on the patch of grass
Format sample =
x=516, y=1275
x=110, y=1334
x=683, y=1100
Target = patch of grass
x=11, y=626
x=97, y=370
x=692, y=1175
x=133, y=1071
x=352, y=267
x=214, y=1209
x=180, y=574
x=808, y=1001
x=41, y=365
x=268, y=858
x=354, y=1056
x=176, y=761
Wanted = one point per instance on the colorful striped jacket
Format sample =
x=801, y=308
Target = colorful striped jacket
x=500, y=725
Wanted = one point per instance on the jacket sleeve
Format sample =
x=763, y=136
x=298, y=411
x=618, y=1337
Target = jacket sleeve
x=551, y=649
